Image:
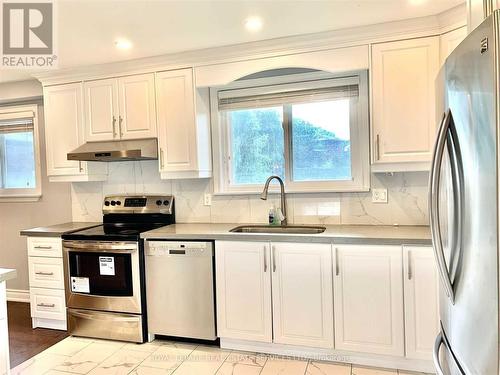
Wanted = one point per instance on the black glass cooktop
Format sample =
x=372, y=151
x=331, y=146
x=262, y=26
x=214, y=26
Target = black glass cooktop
x=121, y=228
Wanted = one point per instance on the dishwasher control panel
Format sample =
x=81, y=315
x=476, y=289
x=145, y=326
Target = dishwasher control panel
x=165, y=248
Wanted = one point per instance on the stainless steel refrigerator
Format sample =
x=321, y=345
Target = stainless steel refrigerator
x=464, y=205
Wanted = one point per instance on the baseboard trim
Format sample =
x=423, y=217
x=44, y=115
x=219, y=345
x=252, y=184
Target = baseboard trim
x=18, y=295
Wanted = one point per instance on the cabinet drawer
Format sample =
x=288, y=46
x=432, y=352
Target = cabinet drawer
x=47, y=303
x=46, y=272
x=45, y=247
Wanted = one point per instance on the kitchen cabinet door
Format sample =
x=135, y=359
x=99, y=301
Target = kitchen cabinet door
x=63, y=107
x=368, y=299
x=243, y=290
x=302, y=294
x=101, y=110
x=403, y=75
x=184, y=146
x=64, y=131
x=421, y=294
x=137, y=117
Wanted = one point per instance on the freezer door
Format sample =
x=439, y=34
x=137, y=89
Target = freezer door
x=469, y=309
x=444, y=361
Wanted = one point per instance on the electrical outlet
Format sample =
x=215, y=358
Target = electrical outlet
x=379, y=195
x=207, y=199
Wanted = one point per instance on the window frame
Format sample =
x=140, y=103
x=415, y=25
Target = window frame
x=25, y=194
x=359, y=138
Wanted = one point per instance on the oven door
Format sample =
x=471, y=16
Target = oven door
x=102, y=276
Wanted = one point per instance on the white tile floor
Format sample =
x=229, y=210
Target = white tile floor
x=99, y=357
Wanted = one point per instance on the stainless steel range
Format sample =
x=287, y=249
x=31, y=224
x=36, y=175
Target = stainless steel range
x=104, y=268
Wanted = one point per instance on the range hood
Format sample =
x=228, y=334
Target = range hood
x=137, y=149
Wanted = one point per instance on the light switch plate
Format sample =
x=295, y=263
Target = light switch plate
x=379, y=195
x=207, y=199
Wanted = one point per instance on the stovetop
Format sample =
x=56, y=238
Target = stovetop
x=126, y=217
x=110, y=232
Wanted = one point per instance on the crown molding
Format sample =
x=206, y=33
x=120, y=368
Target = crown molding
x=349, y=37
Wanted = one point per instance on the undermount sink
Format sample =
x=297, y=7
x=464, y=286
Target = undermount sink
x=284, y=229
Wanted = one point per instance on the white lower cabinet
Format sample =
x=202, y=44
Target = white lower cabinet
x=368, y=298
x=243, y=290
x=46, y=278
x=421, y=285
x=301, y=284
x=377, y=302
x=302, y=294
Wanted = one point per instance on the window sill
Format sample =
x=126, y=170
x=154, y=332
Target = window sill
x=20, y=198
x=293, y=191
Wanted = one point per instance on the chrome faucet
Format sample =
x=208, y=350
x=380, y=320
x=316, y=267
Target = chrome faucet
x=263, y=196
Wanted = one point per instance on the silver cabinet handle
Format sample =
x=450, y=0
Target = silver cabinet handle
x=44, y=273
x=434, y=178
x=114, y=127
x=265, y=258
x=43, y=247
x=409, y=265
x=337, y=269
x=46, y=305
x=274, y=258
x=120, y=120
x=161, y=158
x=377, y=146
x=435, y=354
x=80, y=166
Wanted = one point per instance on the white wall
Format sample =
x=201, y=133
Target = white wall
x=54, y=207
x=407, y=199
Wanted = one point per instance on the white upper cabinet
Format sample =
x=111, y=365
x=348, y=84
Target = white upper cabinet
x=101, y=109
x=403, y=77
x=120, y=108
x=448, y=42
x=243, y=290
x=183, y=126
x=302, y=294
x=368, y=299
x=421, y=286
x=137, y=106
x=63, y=107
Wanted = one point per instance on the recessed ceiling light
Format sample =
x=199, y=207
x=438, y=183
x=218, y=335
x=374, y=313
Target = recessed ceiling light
x=123, y=44
x=253, y=23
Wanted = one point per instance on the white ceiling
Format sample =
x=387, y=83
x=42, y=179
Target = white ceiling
x=87, y=29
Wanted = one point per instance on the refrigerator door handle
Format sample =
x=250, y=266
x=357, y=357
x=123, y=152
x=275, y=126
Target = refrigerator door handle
x=435, y=354
x=435, y=174
x=457, y=182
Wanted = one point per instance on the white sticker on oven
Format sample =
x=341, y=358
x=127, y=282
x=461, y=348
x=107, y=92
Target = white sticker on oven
x=107, y=266
x=80, y=284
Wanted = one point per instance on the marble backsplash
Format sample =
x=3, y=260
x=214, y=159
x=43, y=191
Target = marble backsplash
x=407, y=199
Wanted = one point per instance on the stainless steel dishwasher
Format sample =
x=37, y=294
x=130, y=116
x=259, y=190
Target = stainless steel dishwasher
x=180, y=289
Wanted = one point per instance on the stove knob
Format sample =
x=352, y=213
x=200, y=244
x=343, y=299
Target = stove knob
x=166, y=203
x=119, y=203
x=106, y=203
x=158, y=202
x=113, y=203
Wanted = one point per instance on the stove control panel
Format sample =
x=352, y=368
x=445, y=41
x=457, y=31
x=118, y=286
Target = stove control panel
x=138, y=204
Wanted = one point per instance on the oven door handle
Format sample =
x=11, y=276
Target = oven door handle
x=115, y=247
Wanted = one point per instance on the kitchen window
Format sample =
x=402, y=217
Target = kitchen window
x=19, y=154
x=309, y=129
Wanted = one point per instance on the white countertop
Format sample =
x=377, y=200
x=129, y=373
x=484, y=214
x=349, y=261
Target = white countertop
x=7, y=274
x=341, y=234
